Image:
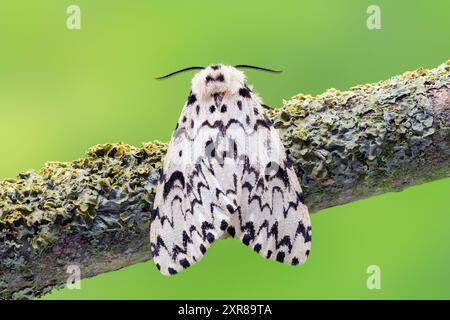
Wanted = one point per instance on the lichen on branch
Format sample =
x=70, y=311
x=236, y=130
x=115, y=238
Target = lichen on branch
x=371, y=139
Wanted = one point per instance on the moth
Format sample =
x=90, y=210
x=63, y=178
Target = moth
x=226, y=173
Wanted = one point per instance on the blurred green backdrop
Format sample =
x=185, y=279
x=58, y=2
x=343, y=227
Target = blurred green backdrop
x=62, y=91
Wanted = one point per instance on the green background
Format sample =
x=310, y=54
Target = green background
x=62, y=91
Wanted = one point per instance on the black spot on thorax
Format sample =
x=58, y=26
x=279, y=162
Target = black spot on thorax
x=191, y=99
x=219, y=78
x=244, y=92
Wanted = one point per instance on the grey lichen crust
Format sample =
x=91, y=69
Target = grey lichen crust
x=371, y=139
x=95, y=212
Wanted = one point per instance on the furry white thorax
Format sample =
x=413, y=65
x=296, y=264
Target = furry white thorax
x=204, y=89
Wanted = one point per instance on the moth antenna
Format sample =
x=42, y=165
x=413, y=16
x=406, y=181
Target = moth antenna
x=179, y=71
x=257, y=68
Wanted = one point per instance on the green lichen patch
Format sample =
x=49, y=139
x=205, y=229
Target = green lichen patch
x=338, y=139
x=110, y=188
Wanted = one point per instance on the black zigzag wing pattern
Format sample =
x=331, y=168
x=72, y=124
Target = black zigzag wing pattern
x=226, y=173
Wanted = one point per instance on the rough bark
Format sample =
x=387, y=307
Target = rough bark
x=94, y=212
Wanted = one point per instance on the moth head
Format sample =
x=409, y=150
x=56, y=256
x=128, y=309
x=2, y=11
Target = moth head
x=216, y=82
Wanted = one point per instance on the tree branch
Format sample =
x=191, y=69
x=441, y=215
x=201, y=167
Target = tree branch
x=94, y=212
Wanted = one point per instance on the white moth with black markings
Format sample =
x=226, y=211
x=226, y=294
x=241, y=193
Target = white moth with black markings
x=226, y=174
